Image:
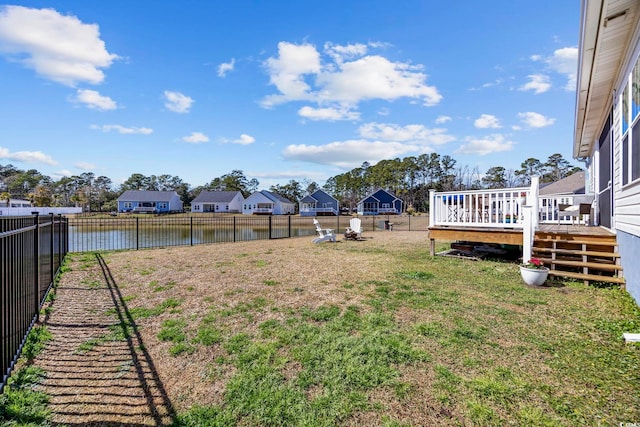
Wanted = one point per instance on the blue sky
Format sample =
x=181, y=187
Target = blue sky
x=282, y=89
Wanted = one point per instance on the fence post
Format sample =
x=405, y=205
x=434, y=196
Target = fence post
x=270, y=225
x=234, y=229
x=289, y=225
x=36, y=265
x=59, y=240
x=137, y=233
x=191, y=229
x=51, y=264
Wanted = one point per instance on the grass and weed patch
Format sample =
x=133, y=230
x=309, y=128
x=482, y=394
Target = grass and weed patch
x=21, y=402
x=339, y=355
x=170, y=304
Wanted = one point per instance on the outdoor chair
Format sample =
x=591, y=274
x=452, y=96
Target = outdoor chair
x=324, y=234
x=574, y=211
x=354, y=230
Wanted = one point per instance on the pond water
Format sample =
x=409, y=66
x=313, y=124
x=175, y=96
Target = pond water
x=84, y=239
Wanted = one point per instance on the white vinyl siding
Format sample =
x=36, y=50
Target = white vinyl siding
x=627, y=157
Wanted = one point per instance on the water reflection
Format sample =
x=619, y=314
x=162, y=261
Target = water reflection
x=85, y=238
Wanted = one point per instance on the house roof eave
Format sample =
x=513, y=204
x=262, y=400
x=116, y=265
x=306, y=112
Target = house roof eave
x=606, y=28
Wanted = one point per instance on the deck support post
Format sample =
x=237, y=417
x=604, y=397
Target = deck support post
x=527, y=233
x=432, y=207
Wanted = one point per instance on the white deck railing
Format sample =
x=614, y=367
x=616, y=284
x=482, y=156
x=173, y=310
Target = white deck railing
x=519, y=208
x=481, y=208
x=312, y=209
x=263, y=210
x=387, y=211
x=507, y=208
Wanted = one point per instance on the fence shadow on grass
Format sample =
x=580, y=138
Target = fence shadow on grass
x=99, y=372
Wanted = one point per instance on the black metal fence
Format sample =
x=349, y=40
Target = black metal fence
x=32, y=249
x=127, y=233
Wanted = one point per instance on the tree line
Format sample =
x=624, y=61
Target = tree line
x=409, y=178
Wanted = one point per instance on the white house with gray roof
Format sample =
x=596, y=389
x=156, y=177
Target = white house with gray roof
x=218, y=202
x=267, y=203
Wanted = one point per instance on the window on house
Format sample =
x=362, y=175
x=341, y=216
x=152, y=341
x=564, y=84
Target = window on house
x=162, y=205
x=634, y=154
x=625, y=156
x=635, y=91
x=630, y=167
x=127, y=205
x=626, y=111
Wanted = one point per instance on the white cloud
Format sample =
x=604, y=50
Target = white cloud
x=443, y=119
x=196, y=138
x=538, y=83
x=123, y=129
x=27, y=156
x=328, y=114
x=226, y=67
x=177, y=102
x=346, y=78
x=92, y=99
x=288, y=70
x=244, y=140
x=483, y=146
x=496, y=82
x=535, y=120
x=415, y=134
x=85, y=166
x=57, y=47
x=565, y=61
x=375, y=77
x=340, y=53
x=268, y=179
x=347, y=154
x=63, y=173
x=487, y=121
x=378, y=141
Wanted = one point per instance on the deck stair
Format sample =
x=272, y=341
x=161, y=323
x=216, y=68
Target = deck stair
x=579, y=256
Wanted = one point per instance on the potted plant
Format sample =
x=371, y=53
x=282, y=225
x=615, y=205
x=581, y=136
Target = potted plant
x=534, y=272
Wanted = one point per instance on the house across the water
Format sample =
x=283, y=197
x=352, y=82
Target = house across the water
x=218, y=202
x=267, y=203
x=380, y=202
x=144, y=201
x=318, y=203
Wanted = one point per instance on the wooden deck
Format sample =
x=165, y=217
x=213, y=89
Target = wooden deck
x=571, y=251
x=509, y=236
x=571, y=229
